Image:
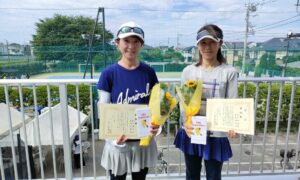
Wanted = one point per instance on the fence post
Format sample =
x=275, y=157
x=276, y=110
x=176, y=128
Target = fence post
x=65, y=130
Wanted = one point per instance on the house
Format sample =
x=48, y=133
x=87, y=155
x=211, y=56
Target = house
x=3, y=48
x=15, y=49
x=189, y=53
x=295, y=64
x=233, y=51
x=279, y=47
x=147, y=47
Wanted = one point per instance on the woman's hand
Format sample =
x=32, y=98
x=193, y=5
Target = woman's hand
x=121, y=140
x=233, y=134
x=154, y=129
x=188, y=129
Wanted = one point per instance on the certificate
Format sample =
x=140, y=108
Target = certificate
x=199, y=124
x=231, y=114
x=118, y=119
x=143, y=119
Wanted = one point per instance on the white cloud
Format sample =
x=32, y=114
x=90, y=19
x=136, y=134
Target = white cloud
x=165, y=21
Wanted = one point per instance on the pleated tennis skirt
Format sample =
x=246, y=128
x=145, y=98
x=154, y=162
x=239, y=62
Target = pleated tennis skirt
x=217, y=148
x=130, y=158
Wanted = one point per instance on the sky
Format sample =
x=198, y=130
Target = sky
x=165, y=22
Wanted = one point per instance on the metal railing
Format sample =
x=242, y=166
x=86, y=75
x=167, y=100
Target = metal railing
x=252, y=154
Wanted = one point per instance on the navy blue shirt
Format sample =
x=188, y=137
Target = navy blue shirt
x=128, y=86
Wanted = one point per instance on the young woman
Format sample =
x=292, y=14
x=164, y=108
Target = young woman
x=128, y=81
x=219, y=80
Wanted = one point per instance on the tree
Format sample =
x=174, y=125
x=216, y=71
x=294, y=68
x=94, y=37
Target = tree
x=59, y=38
x=172, y=54
x=27, y=51
x=154, y=55
x=157, y=55
x=267, y=64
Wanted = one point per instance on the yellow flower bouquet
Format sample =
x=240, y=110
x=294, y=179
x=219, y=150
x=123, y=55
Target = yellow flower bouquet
x=161, y=104
x=190, y=98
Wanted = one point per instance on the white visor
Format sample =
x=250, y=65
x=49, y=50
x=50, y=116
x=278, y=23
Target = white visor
x=205, y=34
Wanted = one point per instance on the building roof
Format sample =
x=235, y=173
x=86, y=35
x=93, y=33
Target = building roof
x=147, y=47
x=15, y=45
x=295, y=64
x=188, y=49
x=280, y=44
x=233, y=45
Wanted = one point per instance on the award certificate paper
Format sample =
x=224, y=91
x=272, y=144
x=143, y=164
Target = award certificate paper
x=199, y=132
x=231, y=114
x=143, y=121
x=118, y=119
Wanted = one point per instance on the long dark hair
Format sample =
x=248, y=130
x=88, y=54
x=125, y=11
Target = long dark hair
x=214, y=29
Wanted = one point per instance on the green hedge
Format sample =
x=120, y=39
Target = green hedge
x=274, y=98
x=22, y=68
x=42, y=98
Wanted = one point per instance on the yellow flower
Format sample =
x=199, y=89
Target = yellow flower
x=173, y=103
x=154, y=119
x=190, y=97
x=190, y=83
x=188, y=90
x=168, y=96
x=166, y=99
x=161, y=104
x=190, y=111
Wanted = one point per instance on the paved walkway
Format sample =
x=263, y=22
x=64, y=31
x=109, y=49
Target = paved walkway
x=253, y=177
x=174, y=157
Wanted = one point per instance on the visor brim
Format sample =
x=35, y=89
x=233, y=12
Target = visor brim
x=209, y=37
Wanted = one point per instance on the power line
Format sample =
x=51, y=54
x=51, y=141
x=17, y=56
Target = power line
x=122, y=9
x=277, y=22
x=48, y=9
x=137, y=9
x=221, y=19
x=279, y=25
x=266, y=2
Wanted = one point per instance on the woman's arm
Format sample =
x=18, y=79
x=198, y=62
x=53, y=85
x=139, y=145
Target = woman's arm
x=104, y=97
x=232, y=84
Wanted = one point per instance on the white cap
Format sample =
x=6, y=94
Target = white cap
x=131, y=31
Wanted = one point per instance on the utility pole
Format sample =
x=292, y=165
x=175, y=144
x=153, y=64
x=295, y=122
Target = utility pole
x=250, y=8
x=178, y=43
x=297, y=5
x=7, y=51
x=290, y=35
x=103, y=36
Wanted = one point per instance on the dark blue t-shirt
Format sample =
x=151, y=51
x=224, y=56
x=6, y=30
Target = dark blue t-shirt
x=128, y=86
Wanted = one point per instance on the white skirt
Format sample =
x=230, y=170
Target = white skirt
x=130, y=158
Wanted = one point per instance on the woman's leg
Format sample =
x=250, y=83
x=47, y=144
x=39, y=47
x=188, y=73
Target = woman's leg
x=141, y=175
x=213, y=169
x=83, y=160
x=77, y=161
x=193, y=167
x=113, y=177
